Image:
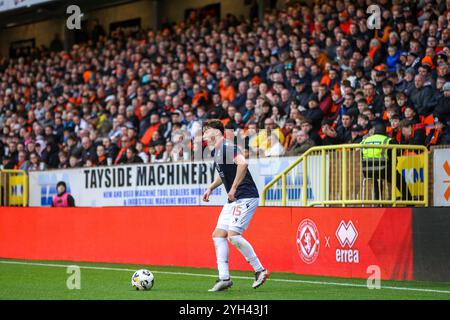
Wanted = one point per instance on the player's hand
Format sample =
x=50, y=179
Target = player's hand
x=206, y=195
x=232, y=195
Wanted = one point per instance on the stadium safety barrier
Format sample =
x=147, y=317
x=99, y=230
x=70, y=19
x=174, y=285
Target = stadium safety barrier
x=13, y=188
x=339, y=175
x=405, y=243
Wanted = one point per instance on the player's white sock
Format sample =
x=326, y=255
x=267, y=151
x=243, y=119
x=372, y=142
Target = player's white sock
x=247, y=251
x=221, y=246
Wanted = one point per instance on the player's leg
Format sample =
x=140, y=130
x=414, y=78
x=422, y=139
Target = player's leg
x=221, y=245
x=240, y=220
x=222, y=252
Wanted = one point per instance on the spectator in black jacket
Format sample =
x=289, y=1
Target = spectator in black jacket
x=413, y=134
x=314, y=113
x=423, y=97
x=88, y=150
x=111, y=149
x=344, y=131
x=132, y=156
x=302, y=93
x=442, y=110
x=357, y=134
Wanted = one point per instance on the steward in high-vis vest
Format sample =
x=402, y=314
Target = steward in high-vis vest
x=376, y=164
x=62, y=199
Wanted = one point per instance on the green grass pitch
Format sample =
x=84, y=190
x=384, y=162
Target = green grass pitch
x=25, y=279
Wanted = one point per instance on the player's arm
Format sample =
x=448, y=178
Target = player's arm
x=241, y=171
x=216, y=183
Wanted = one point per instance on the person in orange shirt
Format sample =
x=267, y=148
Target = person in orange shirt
x=226, y=90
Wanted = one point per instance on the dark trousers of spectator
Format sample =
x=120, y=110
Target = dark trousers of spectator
x=377, y=169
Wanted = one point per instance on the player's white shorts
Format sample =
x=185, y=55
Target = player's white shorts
x=236, y=216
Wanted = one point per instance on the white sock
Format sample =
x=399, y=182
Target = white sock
x=221, y=246
x=247, y=251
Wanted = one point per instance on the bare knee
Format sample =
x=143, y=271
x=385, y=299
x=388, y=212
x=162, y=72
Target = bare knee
x=219, y=233
x=232, y=233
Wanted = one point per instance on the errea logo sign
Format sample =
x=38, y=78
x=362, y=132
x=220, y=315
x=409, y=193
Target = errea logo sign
x=346, y=233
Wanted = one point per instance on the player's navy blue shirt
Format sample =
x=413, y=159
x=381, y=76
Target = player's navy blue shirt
x=224, y=155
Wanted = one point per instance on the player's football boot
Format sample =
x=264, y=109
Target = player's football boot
x=260, y=278
x=221, y=285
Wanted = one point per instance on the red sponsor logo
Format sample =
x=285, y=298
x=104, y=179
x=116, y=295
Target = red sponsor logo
x=308, y=243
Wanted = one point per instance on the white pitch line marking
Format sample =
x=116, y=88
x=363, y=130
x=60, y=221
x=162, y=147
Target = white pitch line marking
x=342, y=284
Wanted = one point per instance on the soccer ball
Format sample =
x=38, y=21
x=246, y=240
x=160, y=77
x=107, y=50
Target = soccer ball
x=142, y=280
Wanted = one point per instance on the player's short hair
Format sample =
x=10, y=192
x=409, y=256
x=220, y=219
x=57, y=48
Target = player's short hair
x=214, y=124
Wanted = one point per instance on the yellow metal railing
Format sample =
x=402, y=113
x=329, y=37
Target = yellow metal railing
x=339, y=175
x=13, y=188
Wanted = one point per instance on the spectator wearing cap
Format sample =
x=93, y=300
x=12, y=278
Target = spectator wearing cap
x=413, y=58
x=407, y=83
x=441, y=58
x=314, y=113
x=302, y=93
x=165, y=127
x=357, y=134
x=158, y=155
x=440, y=133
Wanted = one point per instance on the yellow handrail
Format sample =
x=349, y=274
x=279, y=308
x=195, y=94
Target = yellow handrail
x=343, y=183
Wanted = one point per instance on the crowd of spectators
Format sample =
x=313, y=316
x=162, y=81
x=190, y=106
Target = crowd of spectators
x=304, y=76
